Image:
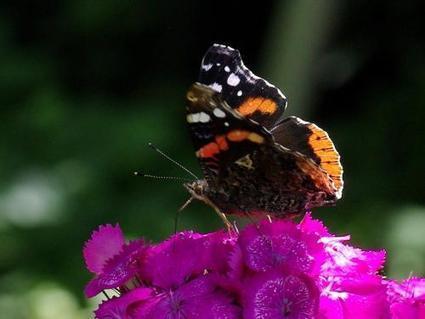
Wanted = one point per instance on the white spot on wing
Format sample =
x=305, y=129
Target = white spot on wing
x=195, y=117
x=233, y=79
x=226, y=124
x=245, y=161
x=219, y=113
x=192, y=118
x=239, y=93
x=216, y=87
x=204, y=117
x=198, y=117
x=206, y=67
x=302, y=121
x=223, y=46
x=226, y=68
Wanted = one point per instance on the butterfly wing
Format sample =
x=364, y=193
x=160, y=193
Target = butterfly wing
x=215, y=129
x=313, y=142
x=223, y=70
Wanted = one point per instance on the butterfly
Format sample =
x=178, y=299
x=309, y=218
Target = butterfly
x=253, y=160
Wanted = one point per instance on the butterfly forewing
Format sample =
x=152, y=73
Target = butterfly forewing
x=223, y=70
x=219, y=134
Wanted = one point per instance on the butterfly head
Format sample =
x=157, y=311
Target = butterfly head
x=197, y=189
x=201, y=96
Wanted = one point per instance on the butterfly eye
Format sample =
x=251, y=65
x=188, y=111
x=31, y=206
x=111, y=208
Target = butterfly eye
x=191, y=96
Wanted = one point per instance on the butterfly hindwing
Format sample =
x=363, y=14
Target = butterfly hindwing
x=223, y=70
x=312, y=141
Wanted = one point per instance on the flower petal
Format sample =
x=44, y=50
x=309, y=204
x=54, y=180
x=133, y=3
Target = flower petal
x=275, y=295
x=363, y=297
x=197, y=299
x=119, y=269
x=103, y=244
x=185, y=255
x=344, y=260
x=273, y=245
x=313, y=226
x=120, y=307
x=407, y=298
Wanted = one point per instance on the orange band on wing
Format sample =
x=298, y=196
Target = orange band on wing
x=222, y=143
x=213, y=148
x=237, y=135
x=208, y=150
x=240, y=135
x=325, y=150
x=258, y=104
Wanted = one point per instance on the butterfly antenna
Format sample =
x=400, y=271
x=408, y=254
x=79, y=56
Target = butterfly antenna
x=156, y=149
x=162, y=177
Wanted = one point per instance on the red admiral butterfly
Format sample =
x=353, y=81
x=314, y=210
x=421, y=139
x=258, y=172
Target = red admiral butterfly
x=254, y=161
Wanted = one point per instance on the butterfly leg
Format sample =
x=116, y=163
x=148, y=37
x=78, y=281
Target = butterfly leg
x=226, y=221
x=176, y=218
x=223, y=217
x=235, y=227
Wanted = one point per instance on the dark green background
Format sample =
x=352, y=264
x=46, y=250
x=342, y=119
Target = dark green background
x=85, y=85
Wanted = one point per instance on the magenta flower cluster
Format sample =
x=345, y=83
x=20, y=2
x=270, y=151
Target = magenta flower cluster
x=272, y=270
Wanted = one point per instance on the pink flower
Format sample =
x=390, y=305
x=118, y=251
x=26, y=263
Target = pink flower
x=344, y=260
x=122, y=307
x=363, y=297
x=407, y=299
x=279, y=244
x=196, y=299
x=184, y=256
x=104, y=243
x=272, y=270
x=113, y=268
x=276, y=295
x=350, y=285
x=312, y=226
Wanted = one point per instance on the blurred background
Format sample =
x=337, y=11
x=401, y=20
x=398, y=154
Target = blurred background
x=85, y=85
